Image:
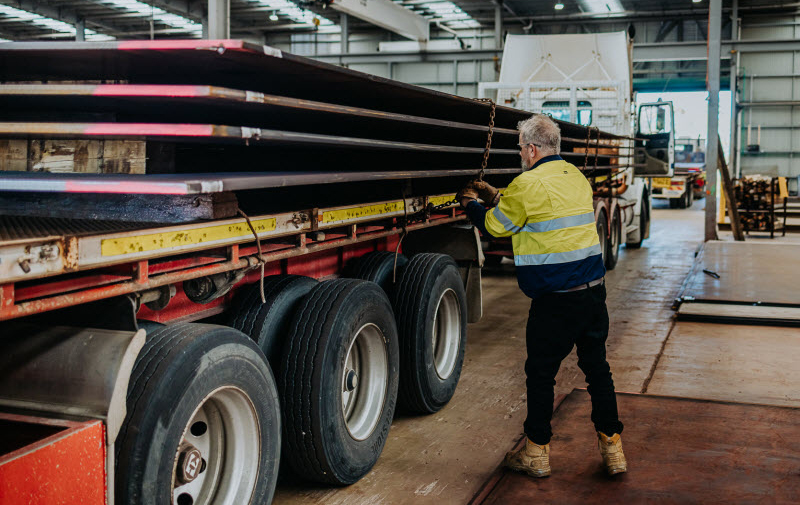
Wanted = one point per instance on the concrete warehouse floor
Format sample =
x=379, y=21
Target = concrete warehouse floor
x=445, y=458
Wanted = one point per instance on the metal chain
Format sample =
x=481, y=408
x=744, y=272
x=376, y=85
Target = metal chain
x=588, y=139
x=488, y=147
x=596, y=146
x=424, y=214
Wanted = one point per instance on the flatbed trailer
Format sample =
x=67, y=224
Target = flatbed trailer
x=686, y=184
x=247, y=273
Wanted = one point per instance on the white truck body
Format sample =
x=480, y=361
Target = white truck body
x=580, y=78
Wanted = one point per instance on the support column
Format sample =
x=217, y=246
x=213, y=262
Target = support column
x=712, y=144
x=733, y=162
x=344, y=22
x=219, y=19
x=80, y=30
x=498, y=24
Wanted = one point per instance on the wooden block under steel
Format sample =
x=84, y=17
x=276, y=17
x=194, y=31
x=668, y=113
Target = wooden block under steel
x=119, y=207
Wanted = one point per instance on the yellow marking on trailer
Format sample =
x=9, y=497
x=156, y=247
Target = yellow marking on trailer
x=438, y=200
x=333, y=216
x=176, y=238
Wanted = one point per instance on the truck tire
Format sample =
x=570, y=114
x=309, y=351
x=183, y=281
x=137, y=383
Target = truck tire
x=612, y=255
x=268, y=323
x=689, y=198
x=683, y=201
x=431, y=309
x=674, y=203
x=378, y=267
x=338, y=382
x=638, y=236
x=202, y=423
x=602, y=235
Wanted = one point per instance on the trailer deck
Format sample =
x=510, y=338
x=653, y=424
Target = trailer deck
x=144, y=256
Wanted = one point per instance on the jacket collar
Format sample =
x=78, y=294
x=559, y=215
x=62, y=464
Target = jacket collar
x=552, y=157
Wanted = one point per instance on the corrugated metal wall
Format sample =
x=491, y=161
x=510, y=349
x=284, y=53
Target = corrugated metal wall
x=770, y=77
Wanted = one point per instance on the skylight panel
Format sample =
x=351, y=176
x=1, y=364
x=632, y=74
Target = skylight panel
x=447, y=12
x=13, y=14
x=292, y=11
x=602, y=6
x=157, y=14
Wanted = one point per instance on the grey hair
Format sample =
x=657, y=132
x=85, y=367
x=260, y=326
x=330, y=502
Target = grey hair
x=543, y=131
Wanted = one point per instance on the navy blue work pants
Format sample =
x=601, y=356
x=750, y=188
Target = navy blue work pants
x=558, y=322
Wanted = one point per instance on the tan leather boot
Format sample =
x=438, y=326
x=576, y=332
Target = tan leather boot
x=533, y=459
x=611, y=450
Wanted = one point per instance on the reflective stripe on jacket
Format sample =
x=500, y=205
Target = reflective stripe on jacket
x=549, y=215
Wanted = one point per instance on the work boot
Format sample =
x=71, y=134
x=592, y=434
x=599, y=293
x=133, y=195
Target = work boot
x=533, y=459
x=611, y=450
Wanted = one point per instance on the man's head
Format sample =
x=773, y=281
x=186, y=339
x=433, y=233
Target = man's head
x=539, y=136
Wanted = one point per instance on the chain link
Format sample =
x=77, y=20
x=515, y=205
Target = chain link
x=488, y=147
x=424, y=214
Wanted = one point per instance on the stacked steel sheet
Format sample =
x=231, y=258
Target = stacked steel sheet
x=252, y=116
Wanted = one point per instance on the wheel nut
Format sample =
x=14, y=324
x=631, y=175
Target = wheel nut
x=190, y=464
x=351, y=380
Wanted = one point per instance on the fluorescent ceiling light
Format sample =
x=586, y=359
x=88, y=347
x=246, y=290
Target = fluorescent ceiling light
x=696, y=1
x=159, y=15
x=10, y=13
x=292, y=11
x=602, y=6
x=558, y=6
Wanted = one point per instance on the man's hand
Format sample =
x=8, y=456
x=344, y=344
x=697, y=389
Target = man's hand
x=486, y=192
x=467, y=194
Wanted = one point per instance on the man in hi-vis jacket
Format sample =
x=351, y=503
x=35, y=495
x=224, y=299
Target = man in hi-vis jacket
x=547, y=211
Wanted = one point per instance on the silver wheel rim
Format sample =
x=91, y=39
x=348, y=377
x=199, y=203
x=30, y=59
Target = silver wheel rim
x=224, y=431
x=365, y=379
x=446, y=334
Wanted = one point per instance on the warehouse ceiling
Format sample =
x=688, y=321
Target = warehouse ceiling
x=134, y=19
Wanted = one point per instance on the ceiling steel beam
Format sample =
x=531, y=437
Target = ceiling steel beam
x=638, y=15
x=696, y=51
x=663, y=51
x=388, y=15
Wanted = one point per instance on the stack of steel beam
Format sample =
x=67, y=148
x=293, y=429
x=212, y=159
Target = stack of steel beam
x=199, y=116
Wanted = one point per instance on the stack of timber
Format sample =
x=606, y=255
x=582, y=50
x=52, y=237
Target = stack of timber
x=139, y=120
x=758, y=197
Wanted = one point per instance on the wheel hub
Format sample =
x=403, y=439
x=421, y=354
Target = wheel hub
x=217, y=458
x=351, y=381
x=364, y=381
x=446, y=334
x=190, y=464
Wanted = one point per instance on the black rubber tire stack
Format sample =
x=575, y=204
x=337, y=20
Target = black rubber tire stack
x=424, y=280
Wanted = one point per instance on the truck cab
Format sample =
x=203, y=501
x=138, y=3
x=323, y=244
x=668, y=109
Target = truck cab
x=656, y=157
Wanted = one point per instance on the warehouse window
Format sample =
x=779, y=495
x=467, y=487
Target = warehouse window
x=560, y=110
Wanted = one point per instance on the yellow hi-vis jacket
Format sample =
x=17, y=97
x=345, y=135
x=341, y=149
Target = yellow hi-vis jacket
x=549, y=215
